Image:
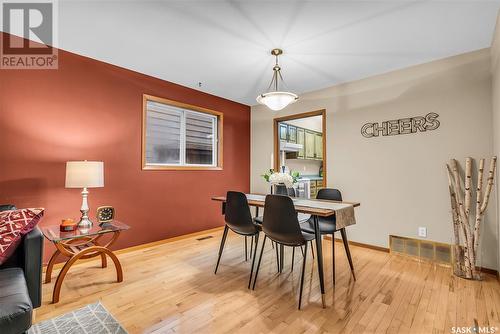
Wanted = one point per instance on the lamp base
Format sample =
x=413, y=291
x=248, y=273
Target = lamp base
x=85, y=222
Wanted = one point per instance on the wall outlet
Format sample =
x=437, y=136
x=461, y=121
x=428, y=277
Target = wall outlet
x=422, y=232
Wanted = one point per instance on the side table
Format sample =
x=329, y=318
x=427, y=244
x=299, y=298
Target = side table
x=82, y=244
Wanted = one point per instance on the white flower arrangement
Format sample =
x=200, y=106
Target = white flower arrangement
x=275, y=178
x=281, y=178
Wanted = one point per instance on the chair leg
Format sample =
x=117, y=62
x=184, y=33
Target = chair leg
x=348, y=252
x=251, y=246
x=258, y=263
x=312, y=250
x=277, y=258
x=253, y=259
x=293, y=256
x=302, y=250
x=303, y=274
x=333, y=256
x=282, y=257
x=222, y=242
x=246, y=249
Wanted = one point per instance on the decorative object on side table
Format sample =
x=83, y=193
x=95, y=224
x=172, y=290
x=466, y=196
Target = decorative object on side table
x=83, y=243
x=68, y=225
x=105, y=214
x=466, y=225
x=84, y=174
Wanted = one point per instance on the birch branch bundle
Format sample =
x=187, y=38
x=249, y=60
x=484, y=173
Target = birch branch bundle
x=466, y=227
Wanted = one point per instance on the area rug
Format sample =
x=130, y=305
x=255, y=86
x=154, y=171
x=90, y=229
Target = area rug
x=91, y=319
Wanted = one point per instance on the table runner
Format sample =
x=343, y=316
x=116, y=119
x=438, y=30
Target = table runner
x=344, y=213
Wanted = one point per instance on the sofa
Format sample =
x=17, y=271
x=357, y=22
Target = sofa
x=21, y=283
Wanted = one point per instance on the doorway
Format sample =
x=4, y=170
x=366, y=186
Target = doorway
x=300, y=146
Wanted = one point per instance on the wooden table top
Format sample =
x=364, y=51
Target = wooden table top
x=302, y=209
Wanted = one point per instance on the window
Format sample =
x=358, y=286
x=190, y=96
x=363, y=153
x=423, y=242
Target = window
x=180, y=136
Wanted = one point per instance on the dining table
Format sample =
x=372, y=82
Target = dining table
x=314, y=207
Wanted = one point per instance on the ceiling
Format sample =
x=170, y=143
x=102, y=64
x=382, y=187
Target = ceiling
x=225, y=44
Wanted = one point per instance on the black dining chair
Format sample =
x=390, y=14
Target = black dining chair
x=283, y=190
x=327, y=225
x=239, y=220
x=282, y=226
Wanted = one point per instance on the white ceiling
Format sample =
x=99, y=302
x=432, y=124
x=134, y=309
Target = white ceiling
x=225, y=44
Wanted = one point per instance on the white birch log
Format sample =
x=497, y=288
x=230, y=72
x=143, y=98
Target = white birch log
x=468, y=188
x=479, y=194
x=489, y=185
x=467, y=243
x=468, y=246
x=484, y=205
x=454, y=212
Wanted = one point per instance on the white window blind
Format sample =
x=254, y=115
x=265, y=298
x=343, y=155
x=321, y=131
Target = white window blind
x=179, y=137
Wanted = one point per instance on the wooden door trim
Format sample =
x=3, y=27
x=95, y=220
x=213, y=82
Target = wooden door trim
x=276, y=121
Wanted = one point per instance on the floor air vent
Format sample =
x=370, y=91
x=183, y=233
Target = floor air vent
x=421, y=249
x=205, y=238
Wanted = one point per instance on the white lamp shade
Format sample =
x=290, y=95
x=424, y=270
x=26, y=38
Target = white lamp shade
x=277, y=100
x=84, y=174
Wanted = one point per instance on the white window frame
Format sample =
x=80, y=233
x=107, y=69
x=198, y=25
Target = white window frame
x=185, y=109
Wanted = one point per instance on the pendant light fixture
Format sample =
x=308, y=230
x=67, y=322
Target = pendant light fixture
x=276, y=99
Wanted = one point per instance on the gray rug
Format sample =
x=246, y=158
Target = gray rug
x=91, y=319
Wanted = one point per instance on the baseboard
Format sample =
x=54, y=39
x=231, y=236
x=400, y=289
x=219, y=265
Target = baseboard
x=489, y=271
x=360, y=244
x=142, y=246
x=383, y=249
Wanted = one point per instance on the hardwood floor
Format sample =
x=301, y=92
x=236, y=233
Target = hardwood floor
x=171, y=288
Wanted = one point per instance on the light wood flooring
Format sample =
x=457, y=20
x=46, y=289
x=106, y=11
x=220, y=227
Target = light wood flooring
x=171, y=288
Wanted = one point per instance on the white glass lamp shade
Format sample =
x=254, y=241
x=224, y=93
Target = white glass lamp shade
x=277, y=100
x=84, y=174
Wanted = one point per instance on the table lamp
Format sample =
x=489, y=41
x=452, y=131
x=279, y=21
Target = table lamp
x=84, y=174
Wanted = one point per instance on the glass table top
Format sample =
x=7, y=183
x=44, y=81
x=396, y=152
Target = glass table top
x=53, y=233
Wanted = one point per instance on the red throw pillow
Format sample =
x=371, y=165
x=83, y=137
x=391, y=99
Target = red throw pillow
x=14, y=224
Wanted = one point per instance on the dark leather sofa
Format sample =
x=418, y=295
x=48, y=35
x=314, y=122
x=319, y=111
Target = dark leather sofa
x=21, y=283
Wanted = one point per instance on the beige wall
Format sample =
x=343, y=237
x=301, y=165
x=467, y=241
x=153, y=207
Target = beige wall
x=399, y=180
x=495, y=66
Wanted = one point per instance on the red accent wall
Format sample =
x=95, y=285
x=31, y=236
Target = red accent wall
x=90, y=110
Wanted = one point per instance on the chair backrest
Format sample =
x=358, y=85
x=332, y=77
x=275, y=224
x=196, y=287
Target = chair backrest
x=280, y=220
x=237, y=213
x=329, y=194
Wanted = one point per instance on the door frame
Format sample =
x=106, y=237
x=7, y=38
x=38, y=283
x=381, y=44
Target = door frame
x=321, y=112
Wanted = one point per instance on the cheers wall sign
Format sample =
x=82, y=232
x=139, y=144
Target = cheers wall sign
x=401, y=126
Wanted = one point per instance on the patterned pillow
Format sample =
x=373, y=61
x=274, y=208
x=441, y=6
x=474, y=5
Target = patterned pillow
x=14, y=224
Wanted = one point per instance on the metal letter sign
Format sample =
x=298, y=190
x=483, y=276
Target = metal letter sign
x=401, y=126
